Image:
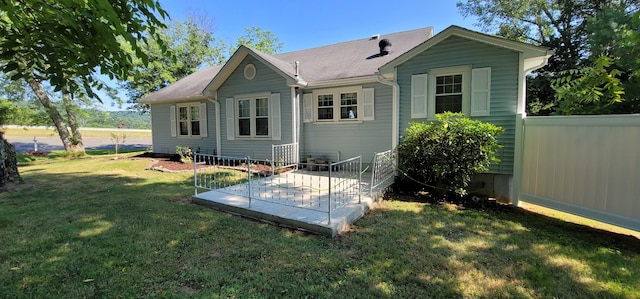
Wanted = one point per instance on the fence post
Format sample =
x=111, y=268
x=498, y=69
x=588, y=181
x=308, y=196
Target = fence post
x=359, y=180
x=518, y=158
x=373, y=174
x=329, y=198
x=248, y=161
x=195, y=173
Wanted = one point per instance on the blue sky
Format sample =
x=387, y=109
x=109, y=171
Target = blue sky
x=312, y=23
x=306, y=24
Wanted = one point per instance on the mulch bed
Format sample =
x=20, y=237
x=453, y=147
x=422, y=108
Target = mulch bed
x=168, y=165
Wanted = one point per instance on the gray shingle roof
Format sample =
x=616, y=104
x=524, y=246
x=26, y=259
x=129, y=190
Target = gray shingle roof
x=346, y=60
x=188, y=87
x=349, y=59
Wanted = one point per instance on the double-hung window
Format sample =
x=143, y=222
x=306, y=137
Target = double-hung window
x=253, y=116
x=348, y=105
x=325, y=106
x=352, y=104
x=448, y=96
x=189, y=120
x=454, y=89
x=340, y=104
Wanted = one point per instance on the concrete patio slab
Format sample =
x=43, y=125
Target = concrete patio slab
x=293, y=217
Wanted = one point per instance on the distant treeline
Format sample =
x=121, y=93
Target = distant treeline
x=94, y=118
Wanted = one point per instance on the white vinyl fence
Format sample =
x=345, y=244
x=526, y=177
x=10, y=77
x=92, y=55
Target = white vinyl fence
x=584, y=165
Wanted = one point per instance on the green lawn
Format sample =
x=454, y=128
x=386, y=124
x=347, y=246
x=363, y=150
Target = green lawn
x=97, y=227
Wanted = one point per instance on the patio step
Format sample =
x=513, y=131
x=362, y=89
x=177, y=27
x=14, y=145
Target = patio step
x=292, y=217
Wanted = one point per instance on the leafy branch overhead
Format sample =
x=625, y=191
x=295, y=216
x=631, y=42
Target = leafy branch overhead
x=595, y=68
x=62, y=40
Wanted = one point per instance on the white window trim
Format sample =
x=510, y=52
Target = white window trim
x=252, y=98
x=336, y=104
x=465, y=70
x=202, y=122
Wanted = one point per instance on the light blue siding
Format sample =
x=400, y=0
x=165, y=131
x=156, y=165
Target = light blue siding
x=455, y=51
x=351, y=139
x=161, y=128
x=265, y=81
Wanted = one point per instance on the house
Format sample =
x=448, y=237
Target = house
x=349, y=99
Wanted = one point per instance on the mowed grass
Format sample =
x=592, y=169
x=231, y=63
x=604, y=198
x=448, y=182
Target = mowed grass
x=30, y=132
x=96, y=227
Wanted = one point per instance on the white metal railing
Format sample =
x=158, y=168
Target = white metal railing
x=384, y=170
x=285, y=155
x=345, y=179
x=318, y=187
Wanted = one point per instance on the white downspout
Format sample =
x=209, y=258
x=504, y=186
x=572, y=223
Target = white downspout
x=395, y=119
x=294, y=122
x=216, y=105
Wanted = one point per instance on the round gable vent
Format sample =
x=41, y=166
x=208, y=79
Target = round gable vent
x=249, y=71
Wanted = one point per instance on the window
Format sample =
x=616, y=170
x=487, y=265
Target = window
x=189, y=120
x=253, y=116
x=449, y=89
x=449, y=93
x=349, y=105
x=244, y=117
x=455, y=89
x=335, y=105
x=325, y=107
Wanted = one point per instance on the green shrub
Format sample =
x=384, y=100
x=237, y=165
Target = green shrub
x=446, y=153
x=186, y=155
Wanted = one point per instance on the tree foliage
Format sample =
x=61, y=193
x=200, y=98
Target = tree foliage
x=579, y=31
x=609, y=82
x=190, y=44
x=446, y=153
x=67, y=42
x=261, y=40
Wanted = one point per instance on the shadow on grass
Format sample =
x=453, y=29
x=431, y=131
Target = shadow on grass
x=507, y=252
x=107, y=229
x=112, y=229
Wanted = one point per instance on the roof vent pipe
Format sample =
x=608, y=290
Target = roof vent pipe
x=385, y=47
x=297, y=68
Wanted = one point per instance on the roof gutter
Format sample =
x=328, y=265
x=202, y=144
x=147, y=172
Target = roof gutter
x=172, y=100
x=348, y=81
x=534, y=63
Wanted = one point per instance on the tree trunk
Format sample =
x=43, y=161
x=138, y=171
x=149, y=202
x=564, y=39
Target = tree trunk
x=3, y=170
x=57, y=119
x=11, y=162
x=73, y=124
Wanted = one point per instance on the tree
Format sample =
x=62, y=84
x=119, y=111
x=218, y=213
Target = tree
x=56, y=41
x=610, y=82
x=65, y=43
x=19, y=105
x=561, y=25
x=264, y=41
x=191, y=44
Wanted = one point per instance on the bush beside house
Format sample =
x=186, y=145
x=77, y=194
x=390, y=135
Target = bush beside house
x=443, y=155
